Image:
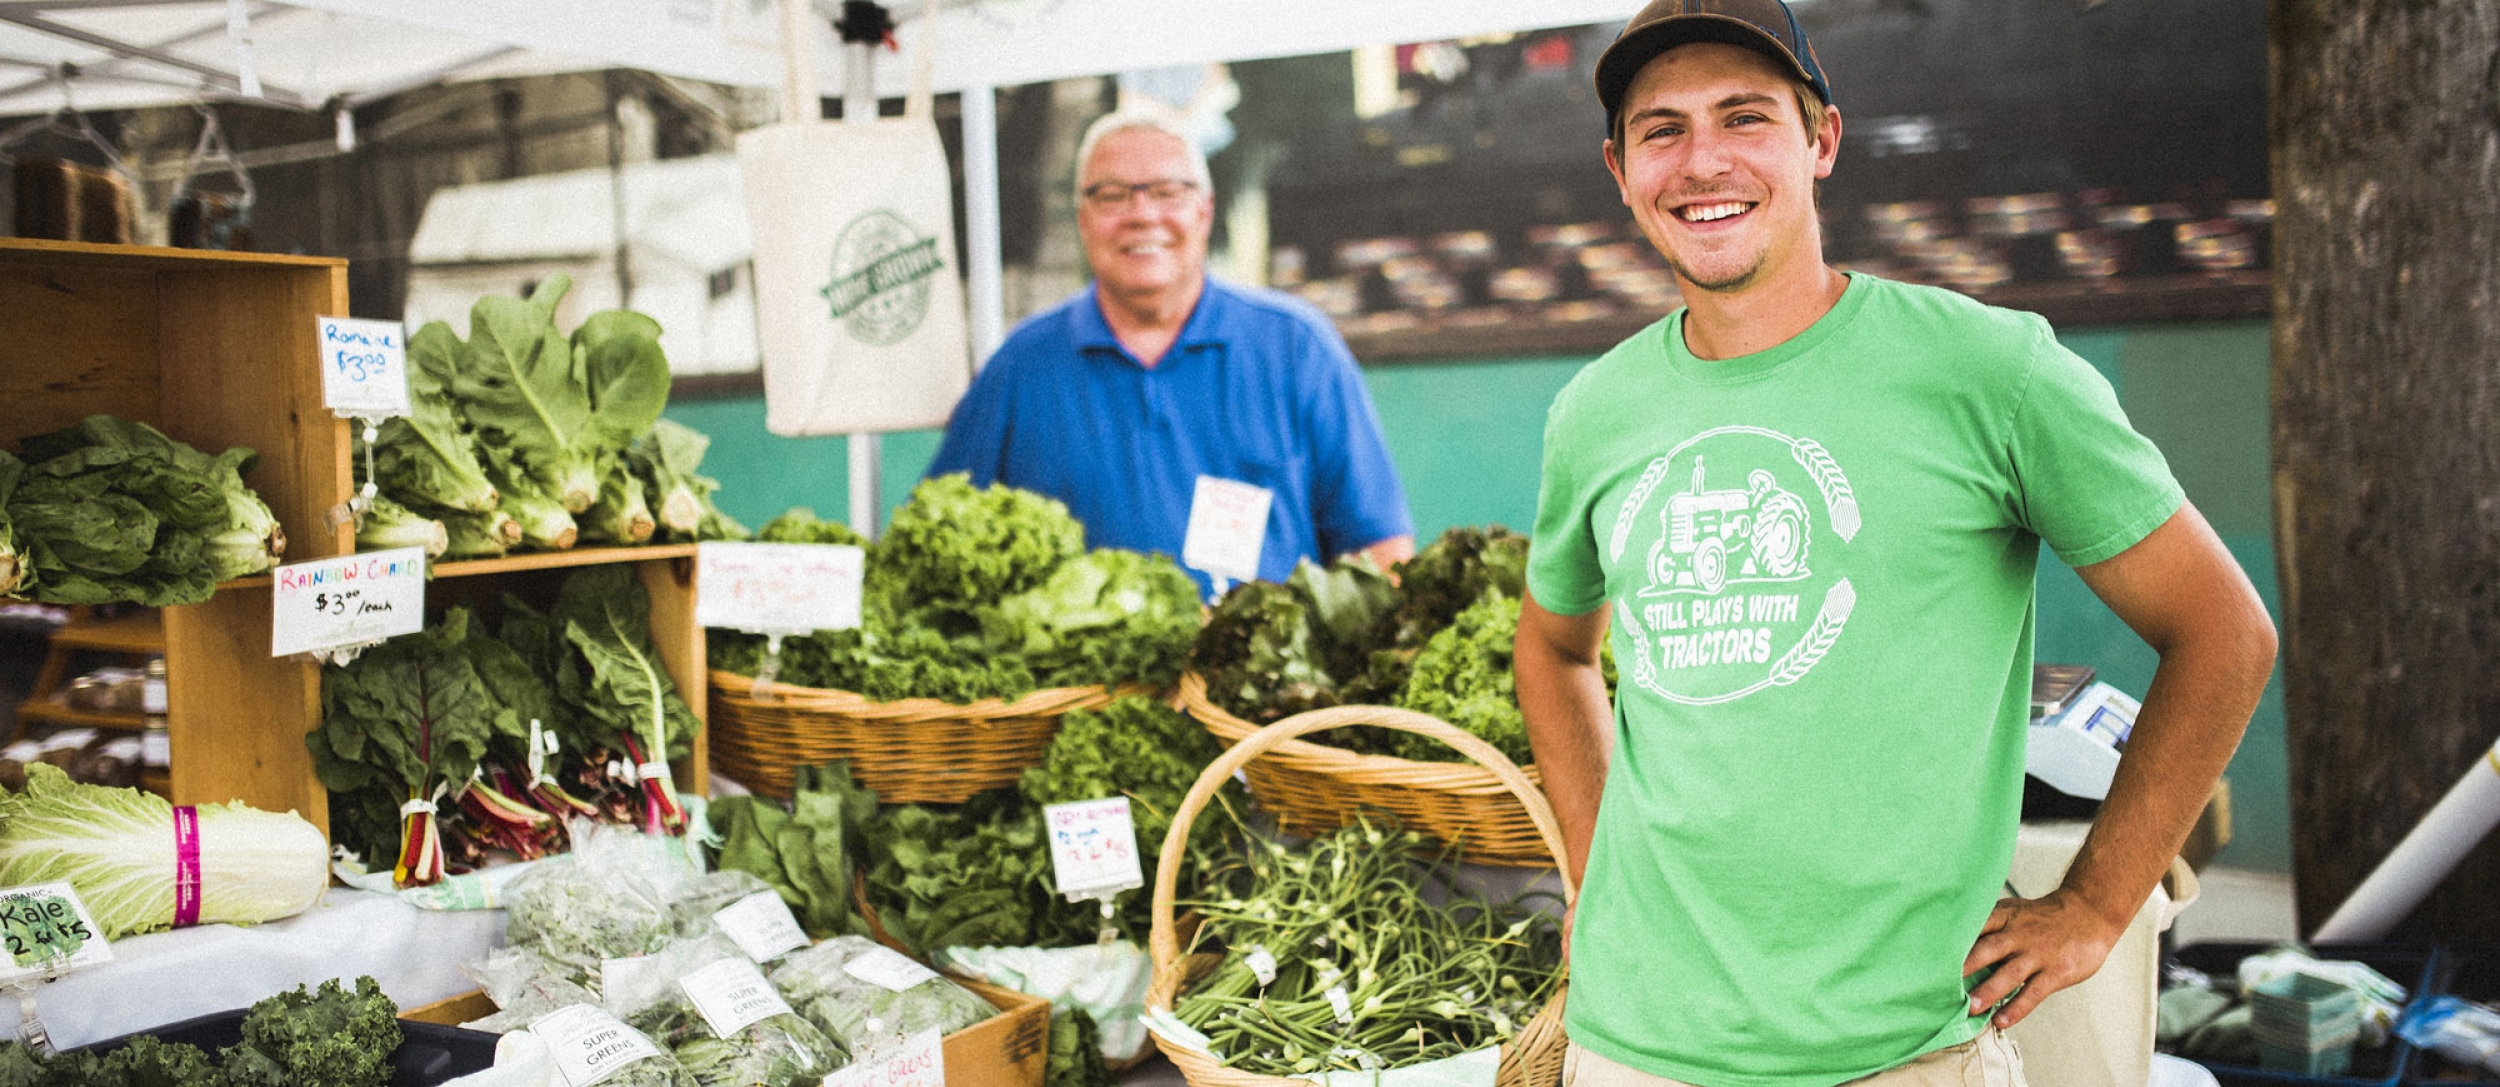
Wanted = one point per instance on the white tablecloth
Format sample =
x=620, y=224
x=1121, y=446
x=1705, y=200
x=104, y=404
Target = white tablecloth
x=168, y=977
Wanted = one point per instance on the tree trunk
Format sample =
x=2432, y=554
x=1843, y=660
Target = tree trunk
x=2386, y=144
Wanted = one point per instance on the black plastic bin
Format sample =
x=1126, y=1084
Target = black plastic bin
x=428, y=1053
x=2406, y=964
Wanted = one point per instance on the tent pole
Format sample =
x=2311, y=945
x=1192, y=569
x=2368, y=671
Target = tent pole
x=859, y=104
x=986, y=289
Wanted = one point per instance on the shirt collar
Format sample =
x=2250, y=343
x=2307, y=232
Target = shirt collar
x=1092, y=331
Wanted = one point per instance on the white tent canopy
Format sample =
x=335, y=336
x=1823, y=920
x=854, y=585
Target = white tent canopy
x=305, y=53
x=324, y=54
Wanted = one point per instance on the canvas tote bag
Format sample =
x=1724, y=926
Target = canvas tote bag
x=859, y=300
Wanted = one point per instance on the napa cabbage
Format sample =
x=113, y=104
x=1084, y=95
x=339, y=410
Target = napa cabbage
x=116, y=846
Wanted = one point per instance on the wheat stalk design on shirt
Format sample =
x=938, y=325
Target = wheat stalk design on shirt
x=1632, y=503
x=1837, y=497
x=1643, y=671
x=1800, y=658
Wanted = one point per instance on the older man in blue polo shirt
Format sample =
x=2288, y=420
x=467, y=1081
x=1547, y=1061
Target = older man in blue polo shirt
x=1157, y=389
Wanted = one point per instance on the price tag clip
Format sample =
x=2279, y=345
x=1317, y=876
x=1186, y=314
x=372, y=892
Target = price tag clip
x=771, y=668
x=1093, y=849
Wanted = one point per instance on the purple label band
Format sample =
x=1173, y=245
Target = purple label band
x=186, y=866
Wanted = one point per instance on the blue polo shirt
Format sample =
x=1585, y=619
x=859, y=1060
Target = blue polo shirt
x=1259, y=388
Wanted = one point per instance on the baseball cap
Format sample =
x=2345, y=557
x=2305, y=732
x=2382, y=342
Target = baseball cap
x=1766, y=26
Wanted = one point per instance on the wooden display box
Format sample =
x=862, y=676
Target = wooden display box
x=218, y=350
x=1010, y=1050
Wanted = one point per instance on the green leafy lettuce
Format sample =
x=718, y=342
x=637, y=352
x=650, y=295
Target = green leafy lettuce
x=669, y=460
x=113, y=510
x=955, y=546
x=429, y=458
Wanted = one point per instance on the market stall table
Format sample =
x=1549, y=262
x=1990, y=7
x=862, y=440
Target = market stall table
x=168, y=977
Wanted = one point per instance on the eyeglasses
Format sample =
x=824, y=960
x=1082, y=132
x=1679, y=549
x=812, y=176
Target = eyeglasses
x=1114, y=195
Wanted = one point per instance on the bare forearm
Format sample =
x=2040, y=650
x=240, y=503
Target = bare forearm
x=2181, y=591
x=1571, y=728
x=2194, y=714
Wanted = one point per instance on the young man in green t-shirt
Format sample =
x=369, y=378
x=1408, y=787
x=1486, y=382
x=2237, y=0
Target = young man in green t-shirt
x=1807, y=509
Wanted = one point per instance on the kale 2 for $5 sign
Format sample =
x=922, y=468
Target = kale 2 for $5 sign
x=44, y=926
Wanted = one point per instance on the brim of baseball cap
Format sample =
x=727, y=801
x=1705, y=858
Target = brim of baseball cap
x=1624, y=60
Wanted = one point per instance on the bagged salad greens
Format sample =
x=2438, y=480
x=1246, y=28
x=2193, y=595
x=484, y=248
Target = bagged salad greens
x=525, y=985
x=628, y=1057
x=608, y=899
x=706, y=1001
x=690, y=912
x=845, y=985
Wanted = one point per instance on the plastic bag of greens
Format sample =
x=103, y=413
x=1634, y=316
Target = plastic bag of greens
x=589, y=1045
x=708, y=894
x=871, y=998
x=524, y=986
x=706, y=1001
x=608, y=899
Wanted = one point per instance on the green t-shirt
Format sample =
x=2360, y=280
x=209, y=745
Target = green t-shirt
x=1818, y=561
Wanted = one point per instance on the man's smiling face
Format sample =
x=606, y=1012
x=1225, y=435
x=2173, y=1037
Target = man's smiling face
x=1143, y=246
x=1714, y=159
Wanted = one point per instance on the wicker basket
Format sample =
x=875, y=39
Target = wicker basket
x=1313, y=788
x=1532, y=1059
x=912, y=751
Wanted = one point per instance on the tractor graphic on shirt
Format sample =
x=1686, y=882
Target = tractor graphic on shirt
x=1709, y=538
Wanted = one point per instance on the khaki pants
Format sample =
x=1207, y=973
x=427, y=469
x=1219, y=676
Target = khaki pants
x=1989, y=1060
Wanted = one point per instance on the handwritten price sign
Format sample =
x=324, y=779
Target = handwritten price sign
x=46, y=924
x=1227, y=528
x=1093, y=847
x=364, y=367
x=348, y=600
x=920, y=1063
x=778, y=588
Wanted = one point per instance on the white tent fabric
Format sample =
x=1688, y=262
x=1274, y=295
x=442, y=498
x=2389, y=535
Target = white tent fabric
x=307, y=52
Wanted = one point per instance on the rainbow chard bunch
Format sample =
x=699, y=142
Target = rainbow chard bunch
x=610, y=678
x=410, y=718
x=443, y=746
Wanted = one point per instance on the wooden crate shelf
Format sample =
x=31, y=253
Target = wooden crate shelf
x=59, y=714
x=219, y=350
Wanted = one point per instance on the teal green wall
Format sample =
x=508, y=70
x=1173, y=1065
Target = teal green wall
x=1466, y=437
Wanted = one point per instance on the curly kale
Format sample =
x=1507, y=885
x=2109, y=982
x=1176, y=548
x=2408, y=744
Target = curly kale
x=329, y=1036
x=148, y=1061
x=20, y=1067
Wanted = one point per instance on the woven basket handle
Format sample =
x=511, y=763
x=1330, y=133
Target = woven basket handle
x=1164, y=943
